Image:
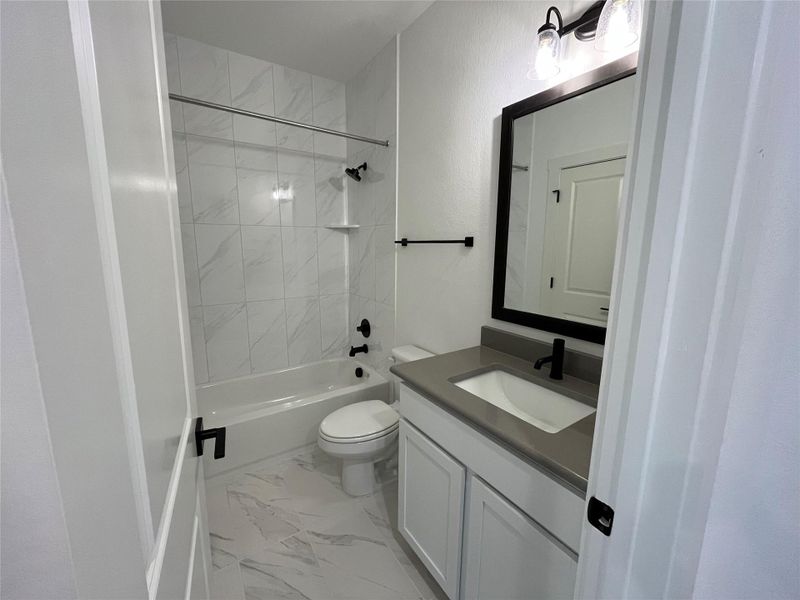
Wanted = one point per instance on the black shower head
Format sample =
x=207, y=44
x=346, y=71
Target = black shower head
x=353, y=172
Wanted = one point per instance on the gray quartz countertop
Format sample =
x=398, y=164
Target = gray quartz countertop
x=565, y=454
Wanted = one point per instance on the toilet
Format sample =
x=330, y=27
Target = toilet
x=364, y=433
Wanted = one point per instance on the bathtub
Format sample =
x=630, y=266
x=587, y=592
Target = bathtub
x=272, y=413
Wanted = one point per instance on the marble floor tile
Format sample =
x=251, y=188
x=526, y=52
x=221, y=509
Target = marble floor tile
x=285, y=530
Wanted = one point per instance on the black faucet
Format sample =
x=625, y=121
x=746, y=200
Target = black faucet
x=556, y=358
x=356, y=349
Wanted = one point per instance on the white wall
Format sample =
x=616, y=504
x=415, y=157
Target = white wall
x=34, y=554
x=266, y=281
x=460, y=64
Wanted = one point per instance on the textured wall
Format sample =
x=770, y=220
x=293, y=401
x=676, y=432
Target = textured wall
x=460, y=64
x=266, y=280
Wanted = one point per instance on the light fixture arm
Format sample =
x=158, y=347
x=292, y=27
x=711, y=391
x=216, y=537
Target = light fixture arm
x=584, y=26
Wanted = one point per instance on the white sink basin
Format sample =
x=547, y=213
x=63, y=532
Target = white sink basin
x=539, y=406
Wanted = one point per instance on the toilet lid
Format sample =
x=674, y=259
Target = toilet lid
x=368, y=419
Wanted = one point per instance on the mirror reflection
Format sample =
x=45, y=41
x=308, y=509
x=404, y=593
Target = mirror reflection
x=567, y=170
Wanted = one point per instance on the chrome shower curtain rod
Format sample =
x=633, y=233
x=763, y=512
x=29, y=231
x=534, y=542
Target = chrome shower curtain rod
x=274, y=119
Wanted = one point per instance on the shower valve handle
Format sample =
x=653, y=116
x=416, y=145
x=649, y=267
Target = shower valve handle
x=217, y=433
x=364, y=328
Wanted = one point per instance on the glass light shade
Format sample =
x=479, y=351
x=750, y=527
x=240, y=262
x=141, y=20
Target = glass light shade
x=618, y=25
x=548, y=52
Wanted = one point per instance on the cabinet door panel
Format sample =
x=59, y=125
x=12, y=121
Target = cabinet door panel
x=430, y=507
x=509, y=556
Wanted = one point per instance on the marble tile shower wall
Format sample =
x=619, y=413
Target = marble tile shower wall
x=267, y=282
x=372, y=111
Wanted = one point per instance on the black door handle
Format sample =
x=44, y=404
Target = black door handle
x=200, y=435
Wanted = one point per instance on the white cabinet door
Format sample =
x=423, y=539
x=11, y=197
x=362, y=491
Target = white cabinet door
x=508, y=556
x=430, y=506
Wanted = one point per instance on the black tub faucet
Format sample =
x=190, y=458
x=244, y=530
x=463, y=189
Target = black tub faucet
x=556, y=358
x=356, y=349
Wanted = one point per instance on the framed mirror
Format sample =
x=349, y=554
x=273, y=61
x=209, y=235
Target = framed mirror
x=562, y=160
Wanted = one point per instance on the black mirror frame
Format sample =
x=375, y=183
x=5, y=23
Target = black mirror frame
x=614, y=71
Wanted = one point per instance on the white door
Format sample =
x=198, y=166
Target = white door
x=509, y=556
x=431, y=505
x=127, y=126
x=581, y=240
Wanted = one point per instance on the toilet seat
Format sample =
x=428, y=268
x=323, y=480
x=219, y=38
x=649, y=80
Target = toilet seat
x=359, y=422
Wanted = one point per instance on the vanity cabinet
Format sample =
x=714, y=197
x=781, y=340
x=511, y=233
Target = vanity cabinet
x=486, y=523
x=507, y=555
x=431, y=506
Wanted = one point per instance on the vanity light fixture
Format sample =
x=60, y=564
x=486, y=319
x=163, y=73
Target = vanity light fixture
x=613, y=24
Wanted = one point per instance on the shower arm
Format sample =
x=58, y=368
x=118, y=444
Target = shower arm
x=274, y=119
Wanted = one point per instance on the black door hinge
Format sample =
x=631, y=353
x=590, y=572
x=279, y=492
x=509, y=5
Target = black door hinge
x=551, y=283
x=558, y=195
x=600, y=515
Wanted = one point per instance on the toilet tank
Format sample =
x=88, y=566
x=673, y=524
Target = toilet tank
x=400, y=355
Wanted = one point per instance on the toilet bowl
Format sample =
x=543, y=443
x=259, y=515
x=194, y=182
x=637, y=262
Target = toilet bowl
x=364, y=433
x=359, y=434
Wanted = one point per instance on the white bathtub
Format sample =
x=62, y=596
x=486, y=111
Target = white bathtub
x=272, y=413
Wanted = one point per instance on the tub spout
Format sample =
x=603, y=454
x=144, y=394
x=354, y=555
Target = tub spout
x=356, y=349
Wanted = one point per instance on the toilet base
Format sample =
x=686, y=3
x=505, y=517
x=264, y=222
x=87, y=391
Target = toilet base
x=358, y=477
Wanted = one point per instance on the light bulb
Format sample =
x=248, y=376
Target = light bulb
x=618, y=25
x=548, y=52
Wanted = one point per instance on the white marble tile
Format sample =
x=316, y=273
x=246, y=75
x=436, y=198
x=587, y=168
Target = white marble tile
x=261, y=157
x=182, y=177
x=303, y=330
x=176, y=116
x=383, y=342
x=385, y=74
x=329, y=111
x=334, y=318
x=332, y=261
x=263, y=262
x=384, y=264
x=257, y=203
x=204, y=71
x=204, y=75
x=198, y=344
x=300, y=261
x=227, y=348
x=266, y=322
x=251, y=83
x=357, y=562
x=270, y=582
x=330, y=185
x=203, y=150
x=362, y=262
x=219, y=257
x=361, y=197
x=191, y=272
x=293, y=100
x=171, y=56
x=252, y=89
x=214, y=194
x=296, y=174
x=381, y=184
x=360, y=308
x=226, y=584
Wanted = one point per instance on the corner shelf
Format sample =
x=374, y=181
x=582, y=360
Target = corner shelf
x=344, y=226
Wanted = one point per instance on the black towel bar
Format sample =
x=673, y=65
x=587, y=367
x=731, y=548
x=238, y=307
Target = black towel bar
x=468, y=241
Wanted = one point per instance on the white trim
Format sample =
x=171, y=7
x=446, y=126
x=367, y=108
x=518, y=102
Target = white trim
x=162, y=537
x=192, y=552
x=85, y=66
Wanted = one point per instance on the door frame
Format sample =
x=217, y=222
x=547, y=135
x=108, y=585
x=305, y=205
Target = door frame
x=657, y=437
x=154, y=541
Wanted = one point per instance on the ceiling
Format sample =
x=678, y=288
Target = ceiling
x=331, y=39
